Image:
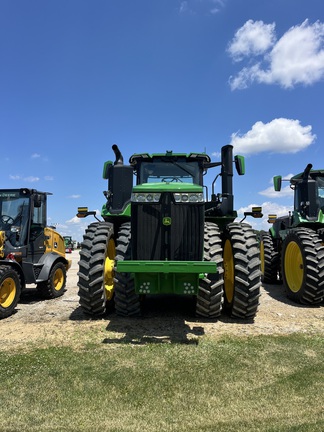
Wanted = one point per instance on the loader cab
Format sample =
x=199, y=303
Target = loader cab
x=15, y=207
x=23, y=219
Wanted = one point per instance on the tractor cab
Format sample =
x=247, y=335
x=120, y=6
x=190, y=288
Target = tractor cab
x=169, y=168
x=308, y=189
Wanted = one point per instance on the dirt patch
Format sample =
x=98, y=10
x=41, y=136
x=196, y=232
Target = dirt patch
x=62, y=322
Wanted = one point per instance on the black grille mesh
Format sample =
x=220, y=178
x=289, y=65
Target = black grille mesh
x=182, y=240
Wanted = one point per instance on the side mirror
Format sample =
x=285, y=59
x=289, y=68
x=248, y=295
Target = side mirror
x=240, y=164
x=272, y=218
x=277, y=183
x=84, y=212
x=255, y=213
x=106, y=168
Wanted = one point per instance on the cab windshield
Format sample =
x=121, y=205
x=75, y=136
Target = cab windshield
x=320, y=191
x=14, y=214
x=169, y=172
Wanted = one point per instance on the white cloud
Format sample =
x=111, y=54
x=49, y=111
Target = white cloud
x=278, y=136
x=254, y=38
x=48, y=178
x=286, y=191
x=84, y=222
x=194, y=7
x=296, y=58
x=74, y=196
x=268, y=208
x=35, y=156
x=31, y=179
x=74, y=220
x=183, y=7
x=217, y=155
x=217, y=6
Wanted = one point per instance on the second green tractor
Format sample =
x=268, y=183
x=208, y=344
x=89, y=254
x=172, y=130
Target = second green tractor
x=292, y=251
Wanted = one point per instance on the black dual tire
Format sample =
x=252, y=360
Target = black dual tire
x=270, y=260
x=127, y=302
x=210, y=292
x=302, y=264
x=10, y=290
x=242, y=274
x=96, y=253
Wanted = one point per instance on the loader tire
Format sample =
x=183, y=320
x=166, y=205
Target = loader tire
x=209, y=299
x=127, y=302
x=270, y=262
x=96, y=264
x=55, y=285
x=303, y=266
x=10, y=290
x=242, y=274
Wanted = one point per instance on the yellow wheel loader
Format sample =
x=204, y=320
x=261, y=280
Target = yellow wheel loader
x=30, y=251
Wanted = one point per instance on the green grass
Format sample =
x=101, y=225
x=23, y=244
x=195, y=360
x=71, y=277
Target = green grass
x=264, y=383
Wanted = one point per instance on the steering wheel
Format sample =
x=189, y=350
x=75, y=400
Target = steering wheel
x=6, y=220
x=172, y=179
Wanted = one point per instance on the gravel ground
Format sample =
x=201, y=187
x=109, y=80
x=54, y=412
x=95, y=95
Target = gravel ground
x=61, y=321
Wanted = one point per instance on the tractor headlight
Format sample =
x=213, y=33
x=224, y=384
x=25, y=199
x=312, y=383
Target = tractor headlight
x=192, y=197
x=146, y=197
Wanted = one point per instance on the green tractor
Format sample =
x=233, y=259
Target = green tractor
x=292, y=251
x=30, y=251
x=163, y=236
x=69, y=244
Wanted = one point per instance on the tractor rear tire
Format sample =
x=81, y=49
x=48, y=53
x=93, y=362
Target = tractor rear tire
x=209, y=299
x=270, y=262
x=10, y=290
x=127, y=302
x=55, y=285
x=97, y=255
x=242, y=274
x=303, y=266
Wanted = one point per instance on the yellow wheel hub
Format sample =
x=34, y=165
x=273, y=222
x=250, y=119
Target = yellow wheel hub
x=229, y=274
x=109, y=270
x=58, y=279
x=294, y=267
x=8, y=291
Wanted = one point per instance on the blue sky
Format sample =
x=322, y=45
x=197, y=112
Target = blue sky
x=77, y=76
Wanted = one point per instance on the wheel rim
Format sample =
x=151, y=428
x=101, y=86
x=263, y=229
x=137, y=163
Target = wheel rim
x=58, y=279
x=262, y=256
x=229, y=276
x=109, y=269
x=294, y=267
x=8, y=291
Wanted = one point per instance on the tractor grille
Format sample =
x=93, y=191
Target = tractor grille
x=154, y=239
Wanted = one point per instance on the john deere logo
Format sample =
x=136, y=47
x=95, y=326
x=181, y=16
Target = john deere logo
x=166, y=221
